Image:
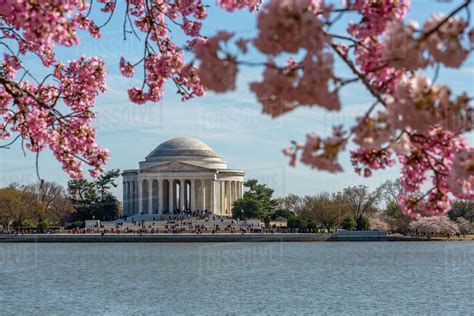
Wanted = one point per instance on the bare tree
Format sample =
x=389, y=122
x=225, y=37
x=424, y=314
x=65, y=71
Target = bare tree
x=391, y=190
x=324, y=209
x=361, y=201
x=290, y=202
x=15, y=206
x=52, y=201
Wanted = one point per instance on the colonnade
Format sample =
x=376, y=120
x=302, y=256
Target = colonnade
x=165, y=195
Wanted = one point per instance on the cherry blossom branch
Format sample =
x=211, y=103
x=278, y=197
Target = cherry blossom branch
x=7, y=146
x=446, y=19
x=354, y=69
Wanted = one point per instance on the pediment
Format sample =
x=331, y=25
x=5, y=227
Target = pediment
x=175, y=166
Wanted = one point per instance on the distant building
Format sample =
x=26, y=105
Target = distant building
x=181, y=174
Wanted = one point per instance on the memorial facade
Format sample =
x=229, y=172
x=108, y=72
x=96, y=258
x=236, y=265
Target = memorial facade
x=181, y=174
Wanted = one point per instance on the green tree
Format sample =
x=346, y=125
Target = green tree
x=297, y=223
x=462, y=208
x=283, y=214
x=362, y=223
x=245, y=208
x=93, y=199
x=106, y=181
x=257, y=202
x=349, y=223
x=396, y=220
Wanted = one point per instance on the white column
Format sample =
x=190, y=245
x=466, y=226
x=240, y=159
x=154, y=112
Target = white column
x=181, y=194
x=222, y=197
x=140, y=196
x=129, y=198
x=193, y=194
x=150, y=196
x=233, y=189
x=203, y=194
x=212, y=196
x=132, y=198
x=135, y=197
x=241, y=189
x=229, y=195
x=124, y=197
x=171, y=198
x=160, y=196
x=129, y=195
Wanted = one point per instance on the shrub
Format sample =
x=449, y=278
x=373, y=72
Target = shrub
x=27, y=224
x=297, y=222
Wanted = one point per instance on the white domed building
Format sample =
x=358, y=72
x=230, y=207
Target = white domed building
x=181, y=174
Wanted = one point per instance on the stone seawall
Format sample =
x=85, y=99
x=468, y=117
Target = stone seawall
x=195, y=238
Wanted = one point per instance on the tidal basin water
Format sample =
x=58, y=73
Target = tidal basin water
x=237, y=278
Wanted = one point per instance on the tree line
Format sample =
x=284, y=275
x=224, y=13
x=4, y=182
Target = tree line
x=353, y=208
x=46, y=205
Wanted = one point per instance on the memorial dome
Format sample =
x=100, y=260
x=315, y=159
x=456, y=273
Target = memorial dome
x=183, y=146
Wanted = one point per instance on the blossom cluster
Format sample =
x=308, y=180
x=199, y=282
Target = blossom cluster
x=434, y=226
x=414, y=121
x=307, y=83
x=438, y=43
x=418, y=104
x=365, y=160
x=320, y=153
x=215, y=72
x=431, y=153
x=164, y=60
x=37, y=118
x=37, y=110
x=375, y=17
x=37, y=26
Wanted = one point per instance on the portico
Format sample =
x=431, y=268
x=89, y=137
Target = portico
x=181, y=174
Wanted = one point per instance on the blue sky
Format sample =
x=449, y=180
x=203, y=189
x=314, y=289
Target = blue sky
x=232, y=123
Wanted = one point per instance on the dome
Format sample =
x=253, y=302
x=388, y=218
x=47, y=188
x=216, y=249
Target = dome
x=183, y=146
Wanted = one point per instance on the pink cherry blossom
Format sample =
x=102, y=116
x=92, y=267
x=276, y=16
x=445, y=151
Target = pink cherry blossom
x=372, y=131
x=444, y=45
x=136, y=95
x=433, y=153
x=418, y=104
x=215, y=72
x=231, y=5
x=126, y=68
x=461, y=175
x=287, y=26
x=401, y=49
x=375, y=16
x=304, y=83
x=366, y=159
x=320, y=153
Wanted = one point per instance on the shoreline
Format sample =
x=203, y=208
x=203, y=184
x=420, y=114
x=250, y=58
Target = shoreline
x=287, y=237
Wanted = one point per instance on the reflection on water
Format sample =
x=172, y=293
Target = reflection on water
x=237, y=278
